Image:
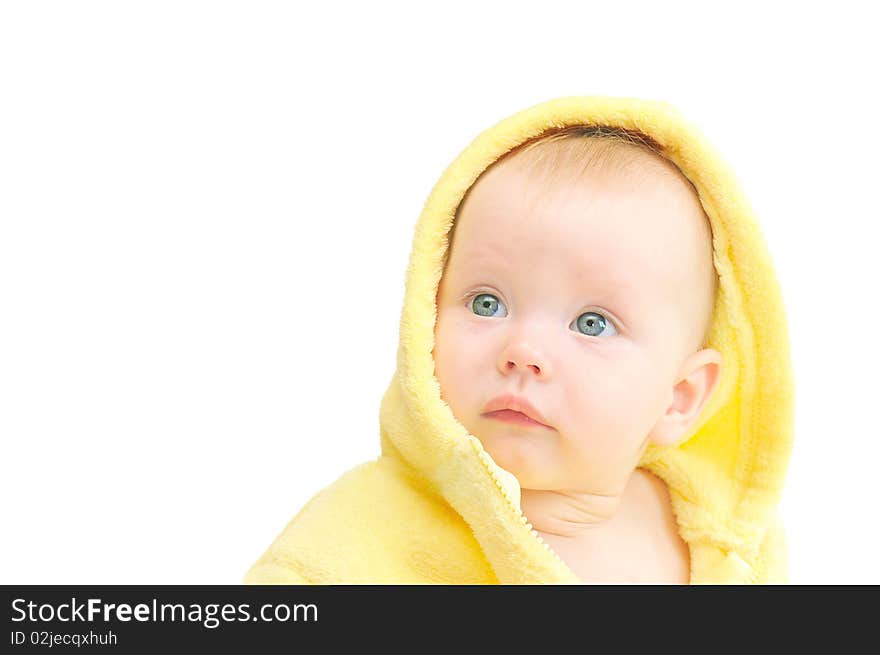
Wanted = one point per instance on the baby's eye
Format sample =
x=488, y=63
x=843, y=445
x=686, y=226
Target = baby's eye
x=593, y=324
x=485, y=304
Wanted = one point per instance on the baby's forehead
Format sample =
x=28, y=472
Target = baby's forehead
x=652, y=216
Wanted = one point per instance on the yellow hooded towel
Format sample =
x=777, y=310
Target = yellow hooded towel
x=435, y=508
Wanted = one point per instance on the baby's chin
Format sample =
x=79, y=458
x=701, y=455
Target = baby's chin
x=519, y=458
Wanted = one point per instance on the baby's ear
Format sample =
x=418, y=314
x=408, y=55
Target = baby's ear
x=698, y=378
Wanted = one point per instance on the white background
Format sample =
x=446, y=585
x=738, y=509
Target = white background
x=206, y=213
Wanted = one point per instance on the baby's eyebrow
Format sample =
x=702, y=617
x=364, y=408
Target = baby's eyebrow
x=482, y=253
x=598, y=284
x=485, y=263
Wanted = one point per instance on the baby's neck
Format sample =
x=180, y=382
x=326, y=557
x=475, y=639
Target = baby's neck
x=633, y=538
x=568, y=514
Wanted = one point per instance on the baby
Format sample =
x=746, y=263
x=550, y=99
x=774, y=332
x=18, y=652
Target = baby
x=572, y=317
x=559, y=412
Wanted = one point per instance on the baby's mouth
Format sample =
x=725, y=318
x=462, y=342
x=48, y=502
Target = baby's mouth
x=517, y=418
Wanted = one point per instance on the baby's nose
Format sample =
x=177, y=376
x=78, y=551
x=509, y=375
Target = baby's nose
x=521, y=355
x=535, y=367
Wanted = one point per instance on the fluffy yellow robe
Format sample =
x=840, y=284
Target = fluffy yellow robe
x=435, y=508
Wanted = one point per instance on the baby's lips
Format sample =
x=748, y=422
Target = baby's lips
x=515, y=416
x=517, y=404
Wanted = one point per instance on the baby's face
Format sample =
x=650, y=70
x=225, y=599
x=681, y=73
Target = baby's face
x=584, y=299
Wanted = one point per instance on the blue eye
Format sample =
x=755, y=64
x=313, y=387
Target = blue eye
x=485, y=304
x=593, y=324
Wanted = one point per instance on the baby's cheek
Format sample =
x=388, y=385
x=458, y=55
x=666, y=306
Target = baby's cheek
x=446, y=360
x=457, y=365
x=615, y=408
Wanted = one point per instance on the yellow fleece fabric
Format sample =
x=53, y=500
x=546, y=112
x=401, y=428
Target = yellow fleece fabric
x=434, y=507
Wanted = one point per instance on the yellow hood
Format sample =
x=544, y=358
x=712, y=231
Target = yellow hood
x=435, y=508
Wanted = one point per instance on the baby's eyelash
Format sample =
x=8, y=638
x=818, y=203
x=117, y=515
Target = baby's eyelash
x=473, y=294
